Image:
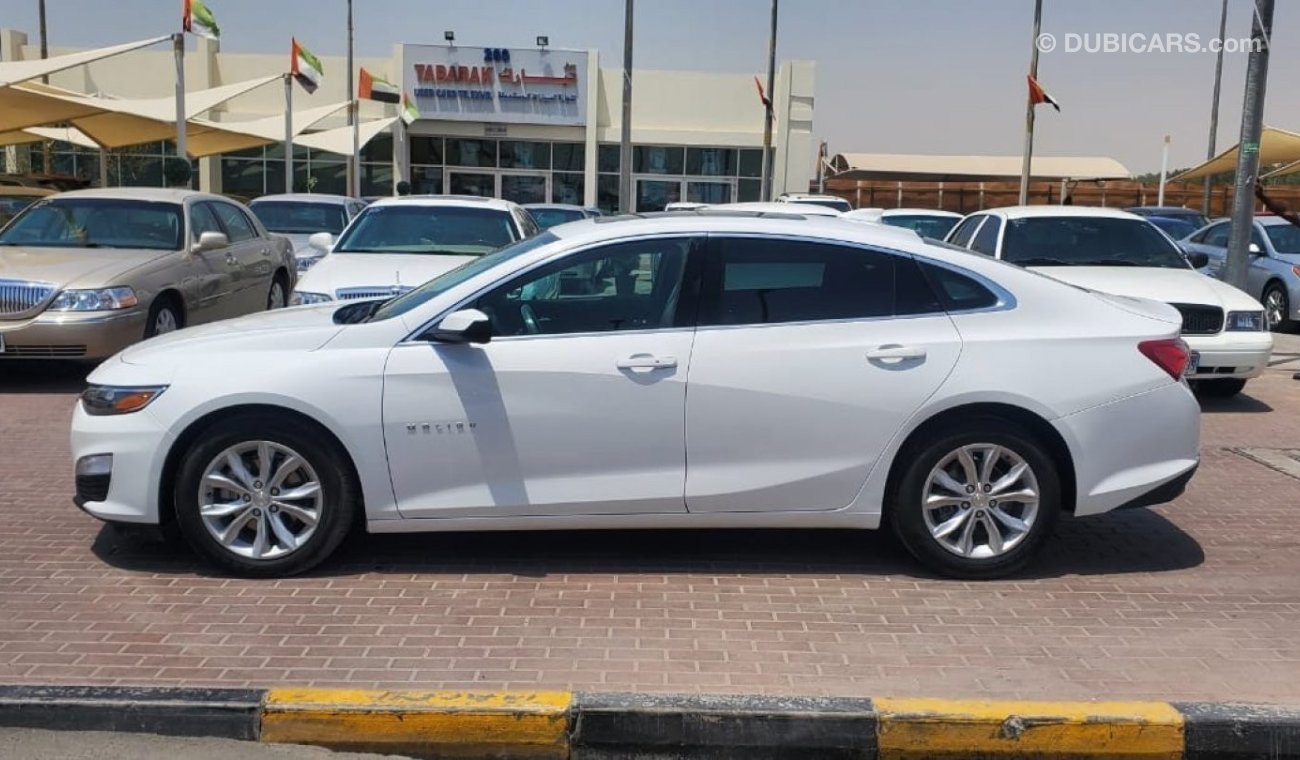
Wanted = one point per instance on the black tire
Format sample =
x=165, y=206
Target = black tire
x=908, y=518
x=280, y=285
x=338, y=505
x=1278, y=290
x=1226, y=387
x=162, y=306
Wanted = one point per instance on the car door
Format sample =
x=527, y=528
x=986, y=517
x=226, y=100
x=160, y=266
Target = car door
x=808, y=358
x=250, y=260
x=576, y=406
x=1262, y=264
x=208, y=278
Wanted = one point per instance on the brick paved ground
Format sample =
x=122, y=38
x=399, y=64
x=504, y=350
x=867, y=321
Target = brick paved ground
x=1198, y=600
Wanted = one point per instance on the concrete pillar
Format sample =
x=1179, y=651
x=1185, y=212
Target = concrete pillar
x=591, y=148
x=792, y=165
x=203, y=74
x=11, y=49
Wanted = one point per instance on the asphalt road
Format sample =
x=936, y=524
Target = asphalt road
x=32, y=744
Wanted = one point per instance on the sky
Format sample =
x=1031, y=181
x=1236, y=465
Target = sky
x=892, y=76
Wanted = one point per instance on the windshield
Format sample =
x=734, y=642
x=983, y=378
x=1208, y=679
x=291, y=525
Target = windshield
x=1174, y=228
x=834, y=203
x=936, y=227
x=1194, y=218
x=448, y=280
x=437, y=230
x=1284, y=237
x=1088, y=241
x=549, y=217
x=301, y=217
x=97, y=223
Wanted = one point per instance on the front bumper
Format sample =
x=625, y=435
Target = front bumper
x=139, y=445
x=71, y=335
x=1231, y=354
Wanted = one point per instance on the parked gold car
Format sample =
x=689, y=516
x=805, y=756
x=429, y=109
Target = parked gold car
x=86, y=273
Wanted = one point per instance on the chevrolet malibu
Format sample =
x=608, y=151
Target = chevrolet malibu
x=85, y=273
x=706, y=370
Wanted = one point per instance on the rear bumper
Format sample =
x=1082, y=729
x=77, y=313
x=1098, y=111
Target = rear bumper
x=1162, y=494
x=72, y=336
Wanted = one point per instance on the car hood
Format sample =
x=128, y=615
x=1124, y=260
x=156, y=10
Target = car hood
x=298, y=329
x=72, y=267
x=355, y=270
x=1160, y=284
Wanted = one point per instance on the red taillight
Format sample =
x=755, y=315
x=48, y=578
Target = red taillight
x=1170, y=354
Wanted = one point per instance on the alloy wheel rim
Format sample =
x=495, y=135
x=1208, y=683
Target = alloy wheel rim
x=260, y=500
x=276, y=299
x=1273, y=304
x=980, y=501
x=165, y=322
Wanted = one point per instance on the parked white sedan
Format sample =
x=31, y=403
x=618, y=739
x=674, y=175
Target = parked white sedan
x=838, y=375
x=1117, y=252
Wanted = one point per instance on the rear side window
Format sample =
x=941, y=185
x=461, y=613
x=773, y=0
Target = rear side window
x=1217, y=235
x=961, y=236
x=986, y=240
x=958, y=292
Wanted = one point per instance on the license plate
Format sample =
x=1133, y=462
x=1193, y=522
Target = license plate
x=1193, y=363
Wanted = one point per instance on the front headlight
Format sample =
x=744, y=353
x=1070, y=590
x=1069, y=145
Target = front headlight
x=106, y=299
x=304, y=298
x=1245, y=321
x=102, y=400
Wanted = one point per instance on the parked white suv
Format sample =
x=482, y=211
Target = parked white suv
x=1117, y=252
x=395, y=244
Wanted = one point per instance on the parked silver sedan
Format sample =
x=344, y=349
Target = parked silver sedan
x=86, y=273
x=1274, y=274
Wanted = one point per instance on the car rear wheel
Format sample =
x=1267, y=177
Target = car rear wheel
x=1277, y=308
x=978, y=500
x=277, y=297
x=264, y=498
x=1219, y=388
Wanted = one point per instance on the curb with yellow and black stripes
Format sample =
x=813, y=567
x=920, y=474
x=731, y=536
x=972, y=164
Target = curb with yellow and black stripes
x=591, y=726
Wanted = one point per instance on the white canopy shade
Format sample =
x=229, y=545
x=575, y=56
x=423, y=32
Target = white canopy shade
x=230, y=136
x=892, y=166
x=63, y=134
x=13, y=72
x=340, y=140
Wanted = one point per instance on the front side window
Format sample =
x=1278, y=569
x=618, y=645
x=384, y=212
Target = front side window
x=433, y=230
x=986, y=240
x=301, y=218
x=633, y=285
x=203, y=220
x=1284, y=237
x=1217, y=236
x=1088, y=241
x=97, y=223
x=962, y=235
x=237, y=225
x=755, y=281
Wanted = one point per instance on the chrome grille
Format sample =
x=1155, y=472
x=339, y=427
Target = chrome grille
x=382, y=291
x=1199, y=319
x=21, y=296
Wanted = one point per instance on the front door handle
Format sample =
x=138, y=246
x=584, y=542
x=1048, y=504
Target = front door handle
x=895, y=352
x=646, y=361
x=231, y=260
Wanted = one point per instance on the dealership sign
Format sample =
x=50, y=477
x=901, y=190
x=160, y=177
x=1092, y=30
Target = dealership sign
x=519, y=86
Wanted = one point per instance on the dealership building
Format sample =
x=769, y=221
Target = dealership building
x=526, y=124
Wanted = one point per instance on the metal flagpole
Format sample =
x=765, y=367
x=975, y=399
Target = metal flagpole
x=1164, y=172
x=354, y=118
x=288, y=133
x=1252, y=122
x=1214, y=107
x=178, y=48
x=767, y=109
x=625, y=144
x=1029, y=108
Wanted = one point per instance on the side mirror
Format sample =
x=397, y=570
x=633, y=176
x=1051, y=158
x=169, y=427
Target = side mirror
x=464, y=326
x=210, y=241
x=1198, y=259
x=321, y=241
x=1254, y=250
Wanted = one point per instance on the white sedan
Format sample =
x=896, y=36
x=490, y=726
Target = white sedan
x=707, y=370
x=1117, y=252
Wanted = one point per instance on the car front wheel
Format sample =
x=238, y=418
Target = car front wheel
x=1277, y=308
x=978, y=500
x=264, y=497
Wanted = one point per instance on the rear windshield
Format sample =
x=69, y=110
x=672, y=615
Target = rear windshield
x=300, y=217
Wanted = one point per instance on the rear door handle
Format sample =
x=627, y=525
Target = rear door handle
x=896, y=352
x=646, y=361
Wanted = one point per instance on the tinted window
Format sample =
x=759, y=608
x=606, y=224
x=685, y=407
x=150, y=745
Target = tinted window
x=203, y=220
x=237, y=225
x=549, y=217
x=913, y=293
x=1257, y=238
x=1088, y=241
x=986, y=240
x=961, y=236
x=296, y=217
x=1217, y=236
x=1285, y=237
x=768, y=281
x=625, y=286
x=1174, y=228
x=448, y=230
x=958, y=292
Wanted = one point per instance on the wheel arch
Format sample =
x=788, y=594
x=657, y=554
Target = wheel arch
x=175, y=296
x=1038, y=426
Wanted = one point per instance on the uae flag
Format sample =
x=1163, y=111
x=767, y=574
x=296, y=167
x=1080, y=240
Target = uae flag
x=306, y=68
x=1038, y=95
x=378, y=88
x=410, y=112
x=198, y=19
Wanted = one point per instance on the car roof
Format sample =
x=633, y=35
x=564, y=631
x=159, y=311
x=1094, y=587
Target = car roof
x=158, y=194
x=920, y=212
x=1027, y=212
x=775, y=207
x=304, y=197
x=457, y=201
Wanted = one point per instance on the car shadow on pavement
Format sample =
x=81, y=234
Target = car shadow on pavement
x=1137, y=541
x=35, y=376
x=1241, y=404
